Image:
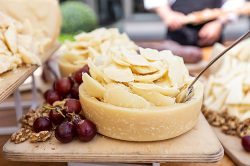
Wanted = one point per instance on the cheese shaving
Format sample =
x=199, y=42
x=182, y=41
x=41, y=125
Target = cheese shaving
x=228, y=89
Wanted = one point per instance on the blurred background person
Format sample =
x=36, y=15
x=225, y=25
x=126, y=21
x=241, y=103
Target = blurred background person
x=174, y=14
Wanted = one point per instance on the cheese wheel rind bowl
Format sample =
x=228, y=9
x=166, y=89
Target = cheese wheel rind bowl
x=65, y=65
x=146, y=124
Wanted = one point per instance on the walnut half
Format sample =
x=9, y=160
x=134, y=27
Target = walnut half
x=22, y=135
x=42, y=136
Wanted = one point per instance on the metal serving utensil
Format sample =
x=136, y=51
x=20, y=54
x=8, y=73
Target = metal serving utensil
x=187, y=91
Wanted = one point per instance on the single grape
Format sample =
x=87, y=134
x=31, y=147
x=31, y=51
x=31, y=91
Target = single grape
x=42, y=124
x=73, y=105
x=56, y=117
x=65, y=132
x=245, y=141
x=63, y=86
x=77, y=76
x=75, y=91
x=51, y=96
x=86, y=130
x=46, y=93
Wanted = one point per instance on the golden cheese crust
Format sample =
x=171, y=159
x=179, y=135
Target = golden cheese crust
x=145, y=124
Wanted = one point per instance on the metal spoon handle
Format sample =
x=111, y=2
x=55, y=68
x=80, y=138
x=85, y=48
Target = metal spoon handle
x=220, y=55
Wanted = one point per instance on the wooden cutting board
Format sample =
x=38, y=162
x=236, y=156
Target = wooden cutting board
x=13, y=79
x=198, y=145
x=233, y=148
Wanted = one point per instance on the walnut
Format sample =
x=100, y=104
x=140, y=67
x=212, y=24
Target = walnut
x=29, y=118
x=231, y=124
x=218, y=120
x=44, y=111
x=27, y=124
x=244, y=128
x=42, y=136
x=229, y=132
x=213, y=118
x=20, y=136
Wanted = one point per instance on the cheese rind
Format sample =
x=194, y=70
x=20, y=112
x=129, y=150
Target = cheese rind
x=66, y=65
x=143, y=124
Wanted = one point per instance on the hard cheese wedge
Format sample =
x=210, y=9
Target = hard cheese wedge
x=43, y=14
x=27, y=30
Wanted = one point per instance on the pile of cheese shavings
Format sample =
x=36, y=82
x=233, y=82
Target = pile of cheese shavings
x=19, y=44
x=126, y=78
x=94, y=43
x=229, y=88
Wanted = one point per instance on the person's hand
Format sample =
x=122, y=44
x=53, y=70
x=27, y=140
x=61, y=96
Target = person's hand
x=174, y=20
x=210, y=33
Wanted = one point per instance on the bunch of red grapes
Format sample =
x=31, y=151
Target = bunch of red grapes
x=67, y=121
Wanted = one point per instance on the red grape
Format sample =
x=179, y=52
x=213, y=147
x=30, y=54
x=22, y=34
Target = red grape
x=245, y=141
x=63, y=86
x=46, y=93
x=75, y=91
x=56, y=117
x=77, y=76
x=86, y=130
x=51, y=96
x=73, y=105
x=42, y=124
x=65, y=132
